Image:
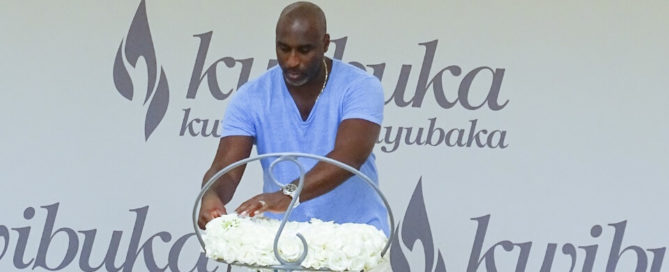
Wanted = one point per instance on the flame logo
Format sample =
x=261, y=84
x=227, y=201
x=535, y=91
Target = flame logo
x=138, y=43
x=416, y=228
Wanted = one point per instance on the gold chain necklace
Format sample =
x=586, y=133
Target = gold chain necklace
x=325, y=81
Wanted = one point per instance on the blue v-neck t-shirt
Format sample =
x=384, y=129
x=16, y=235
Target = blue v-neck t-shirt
x=265, y=110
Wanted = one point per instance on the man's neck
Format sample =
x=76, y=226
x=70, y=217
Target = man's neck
x=305, y=96
x=311, y=89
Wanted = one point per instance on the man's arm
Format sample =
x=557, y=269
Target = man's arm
x=353, y=145
x=230, y=150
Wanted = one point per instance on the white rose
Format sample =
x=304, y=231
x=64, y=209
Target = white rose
x=290, y=248
x=337, y=261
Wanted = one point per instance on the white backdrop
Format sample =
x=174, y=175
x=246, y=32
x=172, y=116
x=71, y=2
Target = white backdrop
x=568, y=99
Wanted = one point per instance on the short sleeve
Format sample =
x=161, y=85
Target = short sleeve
x=364, y=100
x=238, y=119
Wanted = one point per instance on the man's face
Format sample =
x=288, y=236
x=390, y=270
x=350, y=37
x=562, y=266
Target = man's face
x=299, y=50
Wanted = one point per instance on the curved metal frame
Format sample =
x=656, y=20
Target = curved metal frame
x=292, y=157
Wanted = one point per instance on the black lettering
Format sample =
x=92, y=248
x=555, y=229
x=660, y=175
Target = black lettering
x=614, y=256
x=395, y=142
x=430, y=133
x=340, y=46
x=201, y=265
x=47, y=236
x=569, y=249
x=400, y=88
x=493, y=92
x=147, y=250
x=417, y=140
x=500, y=140
x=271, y=63
x=212, y=79
x=548, y=257
x=435, y=82
x=378, y=69
x=4, y=233
x=479, y=237
x=138, y=228
x=591, y=250
x=459, y=141
x=475, y=258
x=110, y=257
x=188, y=124
x=175, y=253
x=214, y=128
x=475, y=136
x=22, y=241
x=358, y=65
x=658, y=257
x=523, y=255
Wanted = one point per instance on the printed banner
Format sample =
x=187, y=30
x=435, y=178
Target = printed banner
x=524, y=136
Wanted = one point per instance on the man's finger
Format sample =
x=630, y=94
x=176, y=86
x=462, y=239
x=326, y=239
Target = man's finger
x=205, y=217
x=246, y=208
x=241, y=208
x=252, y=211
x=258, y=207
x=261, y=208
x=201, y=222
x=214, y=214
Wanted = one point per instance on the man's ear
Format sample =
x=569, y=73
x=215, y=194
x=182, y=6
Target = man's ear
x=326, y=42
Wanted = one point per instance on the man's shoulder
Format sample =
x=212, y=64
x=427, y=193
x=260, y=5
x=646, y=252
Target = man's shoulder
x=353, y=79
x=262, y=82
x=351, y=74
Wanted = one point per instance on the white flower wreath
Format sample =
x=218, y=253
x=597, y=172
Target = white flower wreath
x=250, y=240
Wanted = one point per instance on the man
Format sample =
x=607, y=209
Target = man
x=309, y=104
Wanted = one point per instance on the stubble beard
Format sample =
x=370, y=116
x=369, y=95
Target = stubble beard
x=295, y=83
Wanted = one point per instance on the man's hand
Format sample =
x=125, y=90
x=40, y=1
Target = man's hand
x=230, y=150
x=268, y=202
x=210, y=208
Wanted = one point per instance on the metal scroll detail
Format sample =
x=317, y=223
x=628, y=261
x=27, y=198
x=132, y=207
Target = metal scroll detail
x=291, y=157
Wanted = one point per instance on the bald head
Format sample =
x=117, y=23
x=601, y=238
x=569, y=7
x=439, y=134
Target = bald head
x=301, y=42
x=306, y=12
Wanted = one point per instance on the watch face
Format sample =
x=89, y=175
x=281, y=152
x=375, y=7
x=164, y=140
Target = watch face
x=290, y=188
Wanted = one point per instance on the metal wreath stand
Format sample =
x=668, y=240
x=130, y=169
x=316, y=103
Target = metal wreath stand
x=292, y=157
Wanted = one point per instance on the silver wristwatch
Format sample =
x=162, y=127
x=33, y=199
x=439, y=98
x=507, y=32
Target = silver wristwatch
x=290, y=190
